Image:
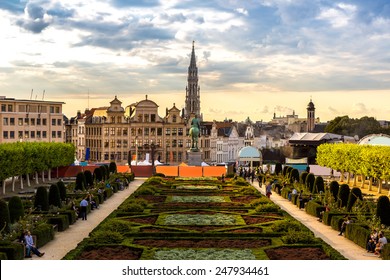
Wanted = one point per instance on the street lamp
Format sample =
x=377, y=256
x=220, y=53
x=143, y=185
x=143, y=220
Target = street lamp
x=152, y=148
x=136, y=150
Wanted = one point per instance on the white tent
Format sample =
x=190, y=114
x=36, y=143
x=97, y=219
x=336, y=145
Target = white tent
x=204, y=164
x=156, y=162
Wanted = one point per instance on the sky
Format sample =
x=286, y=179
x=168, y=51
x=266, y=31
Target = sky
x=255, y=58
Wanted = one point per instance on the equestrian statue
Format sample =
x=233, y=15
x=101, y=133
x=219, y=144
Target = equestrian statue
x=194, y=133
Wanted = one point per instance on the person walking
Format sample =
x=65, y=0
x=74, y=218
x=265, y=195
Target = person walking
x=83, y=208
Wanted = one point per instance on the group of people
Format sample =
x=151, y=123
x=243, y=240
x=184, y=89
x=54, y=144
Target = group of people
x=376, y=242
x=27, y=239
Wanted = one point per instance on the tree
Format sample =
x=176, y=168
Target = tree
x=383, y=210
x=343, y=195
x=112, y=167
x=355, y=194
x=80, y=181
x=88, y=178
x=62, y=189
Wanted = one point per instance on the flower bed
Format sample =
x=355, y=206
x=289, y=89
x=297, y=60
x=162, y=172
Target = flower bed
x=192, y=187
x=197, y=199
x=206, y=254
x=195, y=219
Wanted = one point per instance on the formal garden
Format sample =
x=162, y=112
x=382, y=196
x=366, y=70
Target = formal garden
x=200, y=218
x=53, y=208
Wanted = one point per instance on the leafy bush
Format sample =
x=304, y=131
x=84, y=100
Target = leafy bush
x=16, y=209
x=286, y=225
x=41, y=201
x=107, y=237
x=259, y=201
x=120, y=226
x=270, y=207
x=299, y=237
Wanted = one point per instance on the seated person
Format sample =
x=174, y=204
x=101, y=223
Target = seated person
x=344, y=224
x=327, y=209
x=380, y=244
x=373, y=240
x=30, y=246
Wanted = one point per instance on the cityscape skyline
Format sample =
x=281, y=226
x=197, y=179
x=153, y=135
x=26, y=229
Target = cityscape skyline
x=271, y=56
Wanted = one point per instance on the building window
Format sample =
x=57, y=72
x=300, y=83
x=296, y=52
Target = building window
x=124, y=132
x=38, y=121
x=51, y=109
x=146, y=118
x=5, y=134
x=140, y=118
x=53, y=134
x=139, y=133
x=174, y=118
x=124, y=142
x=32, y=134
x=12, y=134
x=5, y=121
x=20, y=135
x=32, y=121
x=153, y=117
x=180, y=143
x=112, y=143
x=20, y=121
x=174, y=131
x=106, y=143
x=159, y=131
x=106, y=131
x=57, y=109
x=59, y=134
x=3, y=107
x=44, y=134
x=53, y=122
x=119, y=119
x=180, y=131
x=167, y=131
x=118, y=143
x=133, y=132
x=10, y=108
x=38, y=134
x=59, y=122
x=112, y=131
x=146, y=131
x=153, y=131
x=118, y=131
x=44, y=122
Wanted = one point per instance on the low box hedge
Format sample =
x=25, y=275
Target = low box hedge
x=60, y=220
x=44, y=233
x=12, y=250
x=313, y=208
x=358, y=233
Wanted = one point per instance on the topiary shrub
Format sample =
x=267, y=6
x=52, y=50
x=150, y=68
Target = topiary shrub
x=309, y=182
x=299, y=237
x=54, y=196
x=80, y=181
x=355, y=194
x=112, y=167
x=284, y=171
x=103, y=172
x=107, y=170
x=383, y=210
x=16, y=209
x=88, y=178
x=319, y=185
x=5, y=219
x=302, y=177
x=278, y=168
x=97, y=173
x=62, y=190
x=294, y=176
x=41, y=201
x=343, y=195
x=334, y=189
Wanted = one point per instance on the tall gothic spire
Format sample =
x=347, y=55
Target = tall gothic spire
x=192, y=103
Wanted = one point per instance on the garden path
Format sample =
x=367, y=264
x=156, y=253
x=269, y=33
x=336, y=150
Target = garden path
x=67, y=240
x=346, y=247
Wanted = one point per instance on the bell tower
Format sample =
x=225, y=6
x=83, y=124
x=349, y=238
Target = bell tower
x=192, y=103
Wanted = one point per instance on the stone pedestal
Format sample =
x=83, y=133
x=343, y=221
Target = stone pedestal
x=194, y=158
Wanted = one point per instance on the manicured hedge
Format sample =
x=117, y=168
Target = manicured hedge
x=44, y=233
x=13, y=250
x=314, y=209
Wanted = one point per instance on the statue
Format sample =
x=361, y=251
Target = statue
x=194, y=133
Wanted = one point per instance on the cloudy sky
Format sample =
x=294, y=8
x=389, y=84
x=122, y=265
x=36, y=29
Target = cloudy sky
x=255, y=57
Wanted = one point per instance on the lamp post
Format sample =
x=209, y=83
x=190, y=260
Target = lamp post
x=136, y=150
x=152, y=148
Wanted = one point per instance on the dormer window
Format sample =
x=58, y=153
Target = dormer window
x=174, y=118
